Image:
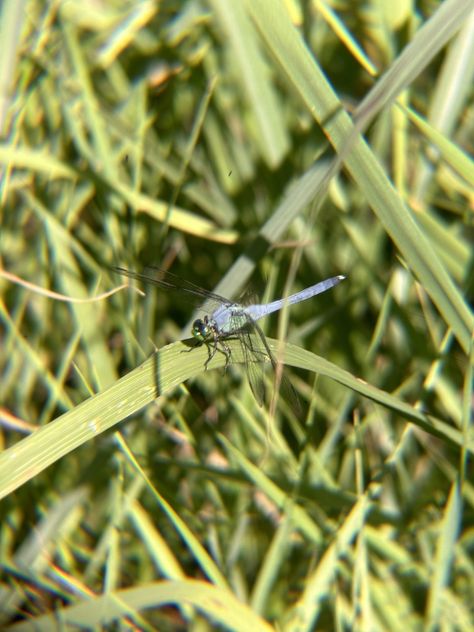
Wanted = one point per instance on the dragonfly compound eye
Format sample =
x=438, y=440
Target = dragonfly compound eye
x=200, y=330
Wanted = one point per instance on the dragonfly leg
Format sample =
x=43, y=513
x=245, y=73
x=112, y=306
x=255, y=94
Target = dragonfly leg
x=227, y=352
x=218, y=344
x=211, y=351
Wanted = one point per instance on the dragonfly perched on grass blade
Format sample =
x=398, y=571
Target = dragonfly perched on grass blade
x=231, y=320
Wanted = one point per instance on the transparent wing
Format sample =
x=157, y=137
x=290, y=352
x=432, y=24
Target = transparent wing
x=254, y=357
x=257, y=352
x=173, y=283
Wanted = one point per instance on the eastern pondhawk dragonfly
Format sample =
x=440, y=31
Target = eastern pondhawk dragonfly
x=231, y=320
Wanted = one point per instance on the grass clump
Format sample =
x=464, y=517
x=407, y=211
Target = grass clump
x=222, y=141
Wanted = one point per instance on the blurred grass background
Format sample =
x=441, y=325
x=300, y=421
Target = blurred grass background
x=199, y=137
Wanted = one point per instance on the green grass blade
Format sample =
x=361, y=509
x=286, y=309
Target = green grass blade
x=158, y=375
x=308, y=79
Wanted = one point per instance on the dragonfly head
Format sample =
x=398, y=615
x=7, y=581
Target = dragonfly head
x=201, y=329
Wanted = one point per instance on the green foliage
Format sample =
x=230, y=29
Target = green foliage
x=213, y=139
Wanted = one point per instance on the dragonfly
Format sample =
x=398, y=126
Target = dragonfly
x=231, y=320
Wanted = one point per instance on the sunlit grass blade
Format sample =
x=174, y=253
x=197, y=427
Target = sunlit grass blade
x=159, y=374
